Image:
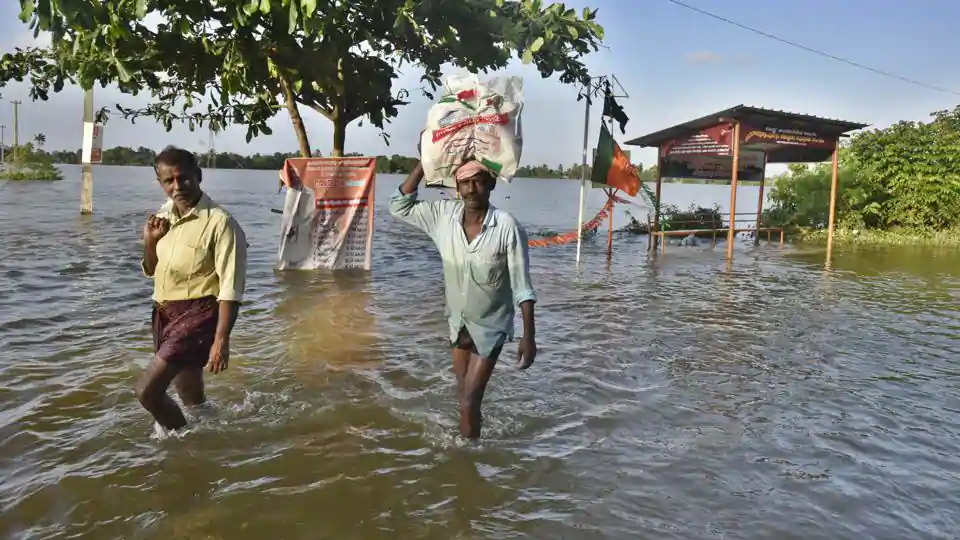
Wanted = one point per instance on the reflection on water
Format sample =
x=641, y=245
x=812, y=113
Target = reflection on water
x=327, y=313
x=679, y=397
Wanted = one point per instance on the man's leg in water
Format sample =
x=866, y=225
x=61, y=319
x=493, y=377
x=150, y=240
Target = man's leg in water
x=152, y=394
x=189, y=385
x=473, y=373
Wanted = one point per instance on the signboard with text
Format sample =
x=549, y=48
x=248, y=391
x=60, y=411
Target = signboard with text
x=92, y=144
x=712, y=141
x=328, y=215
x=772, y=135
x=712, y=167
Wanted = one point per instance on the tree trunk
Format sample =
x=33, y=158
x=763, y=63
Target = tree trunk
x=339, y=136
x=339, y=116
x=295, y=117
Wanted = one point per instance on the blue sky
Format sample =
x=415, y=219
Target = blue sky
x=676, y=64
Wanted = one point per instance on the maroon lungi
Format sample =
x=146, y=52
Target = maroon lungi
x=183, y=330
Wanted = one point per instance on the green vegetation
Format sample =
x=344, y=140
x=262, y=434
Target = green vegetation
x=695, y=218
x=144, y=157
x=395, y=164
x=41, y=172
x=873, y=237
x=28, y=162
x=896, y=185
x=250, y=59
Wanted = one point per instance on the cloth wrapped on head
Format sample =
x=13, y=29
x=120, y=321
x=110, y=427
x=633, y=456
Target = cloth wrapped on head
x=471, y=168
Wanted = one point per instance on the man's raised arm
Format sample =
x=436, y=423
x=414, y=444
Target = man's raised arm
x=404, y=205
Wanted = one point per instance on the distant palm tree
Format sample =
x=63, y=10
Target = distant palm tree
x=40, y=139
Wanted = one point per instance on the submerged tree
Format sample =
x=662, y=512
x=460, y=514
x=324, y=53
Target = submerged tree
x=904, y=176
x=252, y=58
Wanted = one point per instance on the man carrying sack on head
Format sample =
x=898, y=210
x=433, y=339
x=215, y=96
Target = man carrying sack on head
x=486, y=272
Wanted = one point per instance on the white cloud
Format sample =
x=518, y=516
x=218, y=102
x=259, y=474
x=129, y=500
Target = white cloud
x=702, y=57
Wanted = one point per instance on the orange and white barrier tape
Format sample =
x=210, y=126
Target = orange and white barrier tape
x=571, y=236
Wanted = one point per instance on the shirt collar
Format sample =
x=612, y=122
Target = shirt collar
x=202, y=206
x=490, y=220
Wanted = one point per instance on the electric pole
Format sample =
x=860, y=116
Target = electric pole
x=3, y=143
x=16, y=129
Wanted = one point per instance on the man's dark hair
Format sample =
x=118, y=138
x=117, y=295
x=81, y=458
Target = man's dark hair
x=178, y=157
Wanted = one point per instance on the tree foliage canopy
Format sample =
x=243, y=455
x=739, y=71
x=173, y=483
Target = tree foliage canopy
x=251, y=58
x=905, y=176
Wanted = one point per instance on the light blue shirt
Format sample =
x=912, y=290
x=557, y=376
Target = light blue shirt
x=484, y=279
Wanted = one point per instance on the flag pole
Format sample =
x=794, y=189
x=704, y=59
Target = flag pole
x=583, y=171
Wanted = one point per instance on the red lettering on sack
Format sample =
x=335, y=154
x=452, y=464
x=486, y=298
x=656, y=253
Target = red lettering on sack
x=497, y=119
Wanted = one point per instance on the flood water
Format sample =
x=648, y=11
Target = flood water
x=673, y=397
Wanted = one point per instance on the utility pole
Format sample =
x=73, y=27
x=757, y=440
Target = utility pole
x=3, y=143
x=16, y=129
x=588, y=92
x=86, y=191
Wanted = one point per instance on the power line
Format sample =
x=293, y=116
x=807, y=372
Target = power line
x=815, y=51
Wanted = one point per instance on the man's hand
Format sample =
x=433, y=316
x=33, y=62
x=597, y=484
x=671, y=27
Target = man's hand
x=526, y=352
x=154, y=229
x=219, y=355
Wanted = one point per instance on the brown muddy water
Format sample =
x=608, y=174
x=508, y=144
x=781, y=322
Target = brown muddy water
x=673, y=398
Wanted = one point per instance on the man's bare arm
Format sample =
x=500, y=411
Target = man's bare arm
x=412, y=183
x=529, y=323
x=149, y=257
x=226, y=318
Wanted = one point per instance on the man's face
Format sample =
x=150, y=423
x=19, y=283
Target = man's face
x=475, y=191
x=181, y=185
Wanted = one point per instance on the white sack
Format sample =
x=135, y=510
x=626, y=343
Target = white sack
x=473, y=119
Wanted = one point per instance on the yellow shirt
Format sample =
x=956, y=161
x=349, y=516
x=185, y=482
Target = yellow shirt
x=203, y=254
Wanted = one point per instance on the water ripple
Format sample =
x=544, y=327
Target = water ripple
x=678, y=397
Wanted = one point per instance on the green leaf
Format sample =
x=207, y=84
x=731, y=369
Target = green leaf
x=227, y=46
x=537, y=44
x=122, y=71
x=26, y=10
x=294, y=18
x=43, y=16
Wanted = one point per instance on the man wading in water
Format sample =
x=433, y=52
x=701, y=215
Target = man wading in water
x=196, y=254
x=486, y=272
